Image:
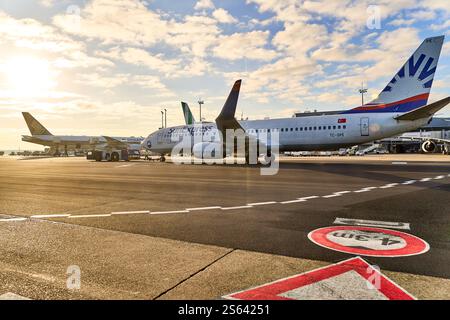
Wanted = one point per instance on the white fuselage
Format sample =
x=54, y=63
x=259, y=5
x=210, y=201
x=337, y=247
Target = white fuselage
x=322, y=132
x=84, y=143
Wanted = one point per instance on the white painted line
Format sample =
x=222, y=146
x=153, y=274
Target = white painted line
x=261, y=203
x=129, y=212
x=168, y=212
x=439, y=177
x=308, y=198
x=342, y=192
x=365, y=189
x=236, y=208
x=331, y=196
x=425, y=179
x=390, y=185
x=12, y=296
x=293, y=201
x=373, y=223
x=90, y=216
x=203, y=208
x=13, y=219
x=409, y=182
x=399, y=162
x=50, y=216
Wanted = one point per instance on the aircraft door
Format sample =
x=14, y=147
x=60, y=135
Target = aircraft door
x=364, y=126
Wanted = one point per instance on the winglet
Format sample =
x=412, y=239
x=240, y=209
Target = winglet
x=226, y=119
x=425, y=111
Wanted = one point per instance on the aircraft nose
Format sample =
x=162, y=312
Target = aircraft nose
x=147, y=144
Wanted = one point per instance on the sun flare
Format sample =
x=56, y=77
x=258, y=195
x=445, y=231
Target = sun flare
x=29, y=76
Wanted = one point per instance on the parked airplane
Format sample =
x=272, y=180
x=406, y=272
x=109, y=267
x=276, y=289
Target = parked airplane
x=40, y=135
x=400, y=107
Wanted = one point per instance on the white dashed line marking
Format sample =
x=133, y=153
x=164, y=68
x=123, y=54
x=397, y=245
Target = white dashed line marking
x=308, y=198
x=342, y=192
x=331, y=196
x=236, y=208
x=130, y=212
x=261, y=203
x=390, y=185
x=38, y=216
x=13, y=219
x=167, y=212
x=248, y=206
x=89, y=216
x=399, y=162
x=203, y=208
x=293, y=201
x=365, y=189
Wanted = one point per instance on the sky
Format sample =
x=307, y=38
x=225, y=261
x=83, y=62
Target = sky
x=108, y=67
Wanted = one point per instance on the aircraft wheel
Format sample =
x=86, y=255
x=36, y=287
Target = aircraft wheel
x=162, y=159
x=268, y=159
x=115, y=157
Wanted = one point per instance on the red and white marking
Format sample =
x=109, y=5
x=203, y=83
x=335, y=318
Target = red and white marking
x=352, y=279
x=368, y=241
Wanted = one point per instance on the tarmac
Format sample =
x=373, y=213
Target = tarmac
x=140, y=230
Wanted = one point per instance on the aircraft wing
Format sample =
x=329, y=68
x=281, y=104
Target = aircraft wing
x=425, y=111
x=114, y=143
x=428, y=139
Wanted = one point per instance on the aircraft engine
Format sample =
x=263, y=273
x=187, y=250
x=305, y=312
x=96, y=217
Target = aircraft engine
x=429, y=146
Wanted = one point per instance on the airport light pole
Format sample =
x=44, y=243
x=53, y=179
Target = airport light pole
x=362, y=91
x=200, y=102
x=165, y=118
x=162, y=119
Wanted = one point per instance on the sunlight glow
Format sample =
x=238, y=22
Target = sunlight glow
x=29, y=76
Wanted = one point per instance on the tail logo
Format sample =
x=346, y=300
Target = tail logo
x=413, y=68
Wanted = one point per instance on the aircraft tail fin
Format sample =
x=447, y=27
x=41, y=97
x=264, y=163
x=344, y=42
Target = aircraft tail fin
x=36, y=128
x=226, y=119
x=188, y=116
x=410, y=87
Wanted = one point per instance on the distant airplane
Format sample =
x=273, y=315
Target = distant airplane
x=400, y=107
x=40, y=135
x=188, y=116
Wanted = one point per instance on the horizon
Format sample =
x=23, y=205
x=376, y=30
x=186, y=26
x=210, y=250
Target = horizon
x=79, y=72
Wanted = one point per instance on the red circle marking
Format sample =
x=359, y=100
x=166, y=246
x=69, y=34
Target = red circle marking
x=414, y=245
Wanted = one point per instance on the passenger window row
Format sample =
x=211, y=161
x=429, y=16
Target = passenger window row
x=312, y=128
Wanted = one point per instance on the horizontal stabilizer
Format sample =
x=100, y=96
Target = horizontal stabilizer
x=425, y=111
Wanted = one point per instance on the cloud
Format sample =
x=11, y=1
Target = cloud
x=222, y=16
x=125, y=21
x=142, y=57
x=248, y=45
x=204, y=4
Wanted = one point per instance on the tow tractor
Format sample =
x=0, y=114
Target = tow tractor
x=109, y=155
